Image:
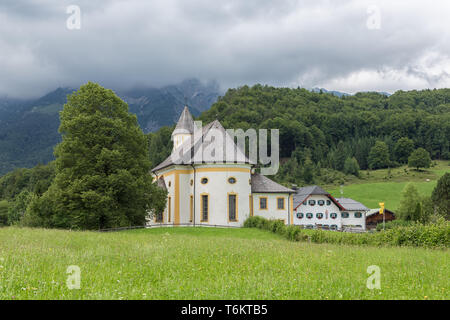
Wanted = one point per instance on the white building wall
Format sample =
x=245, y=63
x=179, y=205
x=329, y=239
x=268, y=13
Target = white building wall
x=325, y=209
x=352, y=221
x=179, y=139
x=218, y=189
x=272, y=212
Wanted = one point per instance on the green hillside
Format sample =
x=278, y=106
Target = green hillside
x=210, y=263
x=385, y=186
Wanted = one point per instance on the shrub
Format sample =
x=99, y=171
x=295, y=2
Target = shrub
x=396, y=234
x=395, y=224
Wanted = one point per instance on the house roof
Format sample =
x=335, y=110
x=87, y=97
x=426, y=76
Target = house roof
x=198, y=149
x=262, y=184
x=376, y=211
x=352, y=205
x=303, y=193
x=185, y=124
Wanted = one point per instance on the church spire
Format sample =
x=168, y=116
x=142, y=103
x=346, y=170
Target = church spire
x=184, y=128
x=185, y=124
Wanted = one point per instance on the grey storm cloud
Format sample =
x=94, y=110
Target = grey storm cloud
x=320, y=43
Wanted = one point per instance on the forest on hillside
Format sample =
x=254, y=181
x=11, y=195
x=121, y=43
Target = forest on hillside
x=323, y=137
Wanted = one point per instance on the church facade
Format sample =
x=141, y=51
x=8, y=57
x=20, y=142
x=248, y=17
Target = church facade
x=222, y=190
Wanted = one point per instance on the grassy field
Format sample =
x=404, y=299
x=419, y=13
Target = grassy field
x=210, y=263
x=385, y=186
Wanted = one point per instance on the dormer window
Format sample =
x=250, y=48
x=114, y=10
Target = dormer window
x=312, y=202
x=321, y=202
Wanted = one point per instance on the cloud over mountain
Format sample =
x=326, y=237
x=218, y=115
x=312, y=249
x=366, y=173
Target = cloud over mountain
x=123, y=44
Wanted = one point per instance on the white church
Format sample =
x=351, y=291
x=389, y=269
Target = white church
x=215, y=193
x=225, y=191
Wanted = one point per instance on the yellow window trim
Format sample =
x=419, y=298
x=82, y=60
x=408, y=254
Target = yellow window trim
x=291, y=207
x=201, y=208
x=207, y=180
x=191, y=208
x=284, y=206
x=228, y=206
x=169, y=210
x=250, y=203
x=267, y=203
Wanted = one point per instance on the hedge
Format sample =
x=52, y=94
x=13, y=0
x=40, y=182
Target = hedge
x=430, y=236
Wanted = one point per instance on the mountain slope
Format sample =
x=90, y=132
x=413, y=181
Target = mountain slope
x=29, y=128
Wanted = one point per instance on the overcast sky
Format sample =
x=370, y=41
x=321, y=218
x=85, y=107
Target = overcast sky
x=349, y=46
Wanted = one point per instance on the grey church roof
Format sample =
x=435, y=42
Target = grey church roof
x=185, y=124
x=262, y=184
x=196, y=155
x=352, y=205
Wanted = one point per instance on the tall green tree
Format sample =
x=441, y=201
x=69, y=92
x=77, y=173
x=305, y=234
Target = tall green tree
x=379, y=156
x=102, y=167
x=419, y=158
x=441, y=196
x=403, y=149
x=351, y=166
x=409, y=208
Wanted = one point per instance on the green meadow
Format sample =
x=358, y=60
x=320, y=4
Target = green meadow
x=210, y=263
x=387, y=186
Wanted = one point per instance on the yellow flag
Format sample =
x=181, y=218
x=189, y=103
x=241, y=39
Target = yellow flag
x=381, y=204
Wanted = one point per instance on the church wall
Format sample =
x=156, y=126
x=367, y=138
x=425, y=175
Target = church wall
x=272, y=212
x=218, y=188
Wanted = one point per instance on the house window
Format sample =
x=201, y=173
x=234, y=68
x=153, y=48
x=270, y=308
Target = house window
x=205, y=207
x=280, y=203
x=169, y=210
x=309, y=215
x=328, y=202
x=159, y=217
x=263, y=203
x=305, y=203
x=333, y=227
x=345, y=215
x=321, y=202
x=319, y=215
x=333, y=215
x=250, y=202
x=204, y=180
x=191, y=206
x=299, y=215
x=232, y=180
x=312, y=202
x=232, y=207
x=358, y=214
x=191, y=182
